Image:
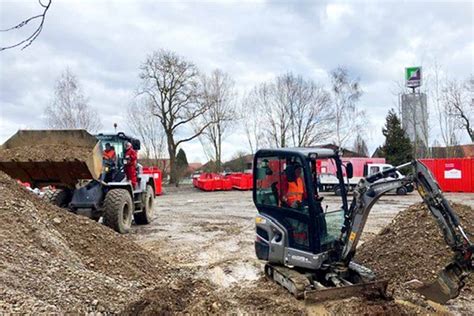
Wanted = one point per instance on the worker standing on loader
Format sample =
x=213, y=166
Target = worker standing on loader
x=131, y=164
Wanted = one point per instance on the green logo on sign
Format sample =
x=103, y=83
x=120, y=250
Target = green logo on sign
x=413, y=77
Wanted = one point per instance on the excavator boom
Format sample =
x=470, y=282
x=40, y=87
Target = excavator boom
x=368, y=191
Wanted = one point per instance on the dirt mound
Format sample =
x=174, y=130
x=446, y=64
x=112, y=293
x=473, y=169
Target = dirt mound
x=362, y=306
x=55, y=261
x=412, y=247
x=45, y=152
x=183, y=296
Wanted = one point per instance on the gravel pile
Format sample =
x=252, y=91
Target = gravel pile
x=45, y=152
x=56, y=262
x=412, y=247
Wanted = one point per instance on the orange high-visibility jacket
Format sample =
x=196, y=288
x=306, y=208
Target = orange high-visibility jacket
x=109, y=154
x=295, y=191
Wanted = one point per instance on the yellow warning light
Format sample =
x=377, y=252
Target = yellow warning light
x=260, y=220
x=352, y=237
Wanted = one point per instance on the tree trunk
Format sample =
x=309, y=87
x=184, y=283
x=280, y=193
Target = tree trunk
x=172, y=154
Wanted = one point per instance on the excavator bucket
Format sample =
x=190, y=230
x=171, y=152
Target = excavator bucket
x=51, y=157
x=447, y=285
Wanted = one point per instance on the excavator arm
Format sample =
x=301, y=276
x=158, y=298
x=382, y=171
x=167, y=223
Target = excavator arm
x=366, y=194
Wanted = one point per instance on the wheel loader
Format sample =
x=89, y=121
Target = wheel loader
x=309, y=249
x=85, y=184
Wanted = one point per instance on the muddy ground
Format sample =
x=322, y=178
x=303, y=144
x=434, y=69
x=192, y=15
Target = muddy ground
x=212, y=234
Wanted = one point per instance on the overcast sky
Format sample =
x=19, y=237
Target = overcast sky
x=104, y=43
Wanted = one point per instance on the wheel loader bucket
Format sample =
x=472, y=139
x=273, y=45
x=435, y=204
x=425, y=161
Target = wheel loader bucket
x=51, y=157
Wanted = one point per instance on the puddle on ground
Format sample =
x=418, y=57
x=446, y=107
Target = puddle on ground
x=239, y=272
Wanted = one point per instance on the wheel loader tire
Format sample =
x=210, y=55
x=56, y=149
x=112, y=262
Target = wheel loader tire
x=146, y=216
x=58, y=197
x=118, y=210
x=401, y=191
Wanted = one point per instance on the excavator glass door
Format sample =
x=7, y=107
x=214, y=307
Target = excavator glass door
x=281, y=192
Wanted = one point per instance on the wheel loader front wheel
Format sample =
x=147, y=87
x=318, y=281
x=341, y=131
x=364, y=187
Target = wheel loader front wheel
x=146, y=215
x=58, y=197
x=118, y=210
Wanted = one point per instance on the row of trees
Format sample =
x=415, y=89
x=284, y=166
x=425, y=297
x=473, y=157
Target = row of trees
x=175, y=103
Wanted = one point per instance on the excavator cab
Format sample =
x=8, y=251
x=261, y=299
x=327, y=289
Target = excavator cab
x=292, y=217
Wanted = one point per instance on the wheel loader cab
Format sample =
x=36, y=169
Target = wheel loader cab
x=291, y=212
x=118, y=142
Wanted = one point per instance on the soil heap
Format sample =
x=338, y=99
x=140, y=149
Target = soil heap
x=412, y=247
x=45, y=152
x=54, y=261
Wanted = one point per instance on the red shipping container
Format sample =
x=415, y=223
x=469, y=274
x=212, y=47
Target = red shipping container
x=242, y=181
x=213, y=182
x=452, y=174
x=157, y=178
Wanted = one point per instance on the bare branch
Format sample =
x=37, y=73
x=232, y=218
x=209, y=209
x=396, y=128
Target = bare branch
x=70, y=108
x=170, y=83
x=30, y=39
x=290, y=111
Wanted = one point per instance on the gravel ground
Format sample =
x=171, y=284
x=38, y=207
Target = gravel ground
x=212, y=233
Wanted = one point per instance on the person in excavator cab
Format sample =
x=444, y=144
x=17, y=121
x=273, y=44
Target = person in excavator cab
x=294, y=196
x=130, y=162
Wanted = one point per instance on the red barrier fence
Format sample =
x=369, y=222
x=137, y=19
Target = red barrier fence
x=157, y=178
x=452, y=174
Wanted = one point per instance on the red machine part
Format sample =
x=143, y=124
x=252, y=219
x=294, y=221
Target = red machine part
x=452, y=174
x=157, y=178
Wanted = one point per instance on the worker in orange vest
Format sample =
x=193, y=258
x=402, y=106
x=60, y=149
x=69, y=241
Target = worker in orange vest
x=294, y=196
x=109, y=153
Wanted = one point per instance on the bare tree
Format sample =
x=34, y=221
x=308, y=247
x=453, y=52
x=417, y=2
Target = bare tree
x=345, y=94
x=292, y=111
x=218, y=95
x=458, y=98
x=148, y=128
x=360, y=146
x=171, y=84
x=446, y=120
x=69, y=108
x=311, y=115
x=29, y=40
x=251, y=123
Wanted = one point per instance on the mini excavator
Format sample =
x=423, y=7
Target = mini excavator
x=309, y=250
